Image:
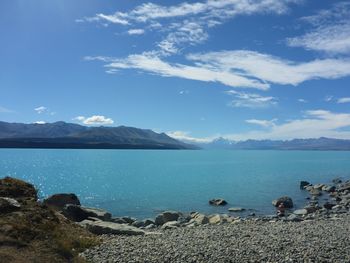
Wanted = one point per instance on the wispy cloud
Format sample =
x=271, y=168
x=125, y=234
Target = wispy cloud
x=41, y=109
x=328, y=98
x=5, y=110
x=251, y=100
x=302, y=100
x=344, y=100
x=263, y=123
x=94, y=120
x=330, y=32
x=238, y=68
x=136, y=31
x=187, y=23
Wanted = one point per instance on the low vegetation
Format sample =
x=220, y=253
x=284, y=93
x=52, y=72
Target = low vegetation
x=34, y=232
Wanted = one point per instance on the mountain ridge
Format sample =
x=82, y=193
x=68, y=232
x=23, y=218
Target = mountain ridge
x=321, y=143
x=69, y=135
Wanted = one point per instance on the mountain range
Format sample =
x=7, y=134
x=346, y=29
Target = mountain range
x=295, y=144
x=68, y=135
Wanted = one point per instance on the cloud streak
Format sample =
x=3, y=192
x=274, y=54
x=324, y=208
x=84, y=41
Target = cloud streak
x=237, y=68
x=251, y=100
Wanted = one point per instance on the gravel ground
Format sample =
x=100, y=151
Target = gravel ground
x=320, y=240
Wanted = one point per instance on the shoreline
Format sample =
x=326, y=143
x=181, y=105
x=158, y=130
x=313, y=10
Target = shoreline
x=319, y=232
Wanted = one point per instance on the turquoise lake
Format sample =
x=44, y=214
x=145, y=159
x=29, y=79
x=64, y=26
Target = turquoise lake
x=141, y=183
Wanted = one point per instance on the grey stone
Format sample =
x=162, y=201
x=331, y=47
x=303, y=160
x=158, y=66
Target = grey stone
x=78, y=213
x=166, y=217
x=294, y=218
x=103, y=227
x=236, y=209
x=301, y=212
x=170, y=225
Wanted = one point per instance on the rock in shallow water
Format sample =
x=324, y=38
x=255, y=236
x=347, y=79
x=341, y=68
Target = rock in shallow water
x=218, y=202
x=236, y=209
x=285, y=200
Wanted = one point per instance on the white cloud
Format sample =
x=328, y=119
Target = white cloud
x=344, y=100
x=94, y=120
x=238, y=68
x=302, y=100
x=185, y=136
x=40, y=122
x=272, y=69
x=41, y=109
x=136, y=31
x=251, y=100
x=330, y=33
x=263, y=123
x=150, y=62
x=315, y=124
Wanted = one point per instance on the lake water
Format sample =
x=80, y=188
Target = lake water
x=140, y=183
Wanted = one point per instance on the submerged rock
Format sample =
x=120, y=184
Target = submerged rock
x=236, y=209
x=60, y=200
x=218, y=202
x=287, y=202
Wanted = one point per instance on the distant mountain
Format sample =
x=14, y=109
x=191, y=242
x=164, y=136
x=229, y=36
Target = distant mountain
x=68, y=135
x=296, y=144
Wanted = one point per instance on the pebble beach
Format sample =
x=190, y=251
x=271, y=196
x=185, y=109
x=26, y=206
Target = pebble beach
x=321, y=240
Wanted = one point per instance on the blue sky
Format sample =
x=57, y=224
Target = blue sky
x=240, y=69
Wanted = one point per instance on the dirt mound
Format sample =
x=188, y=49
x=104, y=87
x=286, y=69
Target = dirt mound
x=14, y=188
x=35, y=232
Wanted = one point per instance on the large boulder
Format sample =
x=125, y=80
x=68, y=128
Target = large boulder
x=79, y=213
x=167, y=216
x=218, y=202
x=103, y=227
x=285, y=200
x=15, y=188
x=60, y=200
x=8, y=205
